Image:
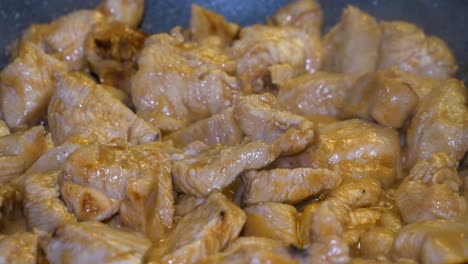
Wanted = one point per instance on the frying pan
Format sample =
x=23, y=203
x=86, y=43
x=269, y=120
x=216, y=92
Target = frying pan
x=447, y=19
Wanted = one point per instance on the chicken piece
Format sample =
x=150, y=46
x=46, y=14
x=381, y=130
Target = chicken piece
x=112, y=50
x=273, y=220
x=20, y=248
x=383, y=97
x=100, y=243
x=376, y=243
x=178, y=82
x=4, y=129
x=356, y=149
x=464, y=175
x=315, y=95
x=287, y=186
x=261, y=47
x=439, y=125
x=19, y=151
x=260, y=118
x=436, y=241
x=304, y=14
x=352, y=46
x=64, y=38
x=221, y=128
x=200, y=174
x=207, y=27
x=11, y=210
x=406, y=46
x=186, y=204
x=129, y=12
x=42, y=206
x=100, y=180
x=431, y=191
x=80, y=108
x=26, y=86
x=202, y=232
x=247, y=250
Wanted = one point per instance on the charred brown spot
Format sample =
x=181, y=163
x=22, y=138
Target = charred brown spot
x=222, y=215
x=88, y=204
x=295, y=250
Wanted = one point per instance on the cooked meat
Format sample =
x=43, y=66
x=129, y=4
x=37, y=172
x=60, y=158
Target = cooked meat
x=304, y=14
x=4, y=130
x=352, y=46
x=260, y=118
x=129, y=12
x=186, y=204
x=11, y=210
x=202, y=232
x=200, y=174
x=273, y=220
x=19, y=151
x=464, y=175
x=439, y=125
x=100, y=243
x=406, y=46
x=178, y=83
x=42, y=206
x=64, y=38
x=356, y=149
x=133, y=179
x=20, y=248
x=207, y=27
x=315, y=95
x=219, y=128
x=431, y=190
x=247, y=250
x=383, y=97
x=261, y=47
x=436, y=241
x=80, y=108
x=112, y=50
x=287, y=186
x=26, y=86
x=376, y=243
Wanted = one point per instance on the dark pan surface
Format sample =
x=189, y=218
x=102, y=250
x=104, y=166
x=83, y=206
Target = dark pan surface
x=447, y=19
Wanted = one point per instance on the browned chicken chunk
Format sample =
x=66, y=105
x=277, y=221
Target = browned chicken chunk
x=26, y=86
x=439, y=125
x=129, y=12
x=352, y=46
x=11, y=210
x=304, y=14
x=101, y=243
x=261, y=47
x=406, y=46
x=178, y=83
x=20, y=248
x=81, y=108
x=202, y=232
x=273, y=220
x=185, y=205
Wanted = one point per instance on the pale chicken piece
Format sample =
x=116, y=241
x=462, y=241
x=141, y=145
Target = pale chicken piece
x=186, y=204
x=273, y=220
x=26, y=85
x=431, y=191
x=435, y=241
x=4, y=129
x=64, y=38
x=112, y=50
x=221, y=128
x=376, y=243
x=439, y=125
x=287, y=185
x=356, y=149
x=260, y=118
x=245, y=250
x=261, y=47
x=406, y=46
x=320, y=94
x=202, y=232
x=304, y=14
x=135, y=180
x=20, y=248
x=200, y=174
x=352, y=46
x=178, y=82
x=81, y=108
x=129, y=12
x=383, y=97
x=464, y=175
x=19, y=151
x=207, y=27
x=94, y=242
x=42, y=205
